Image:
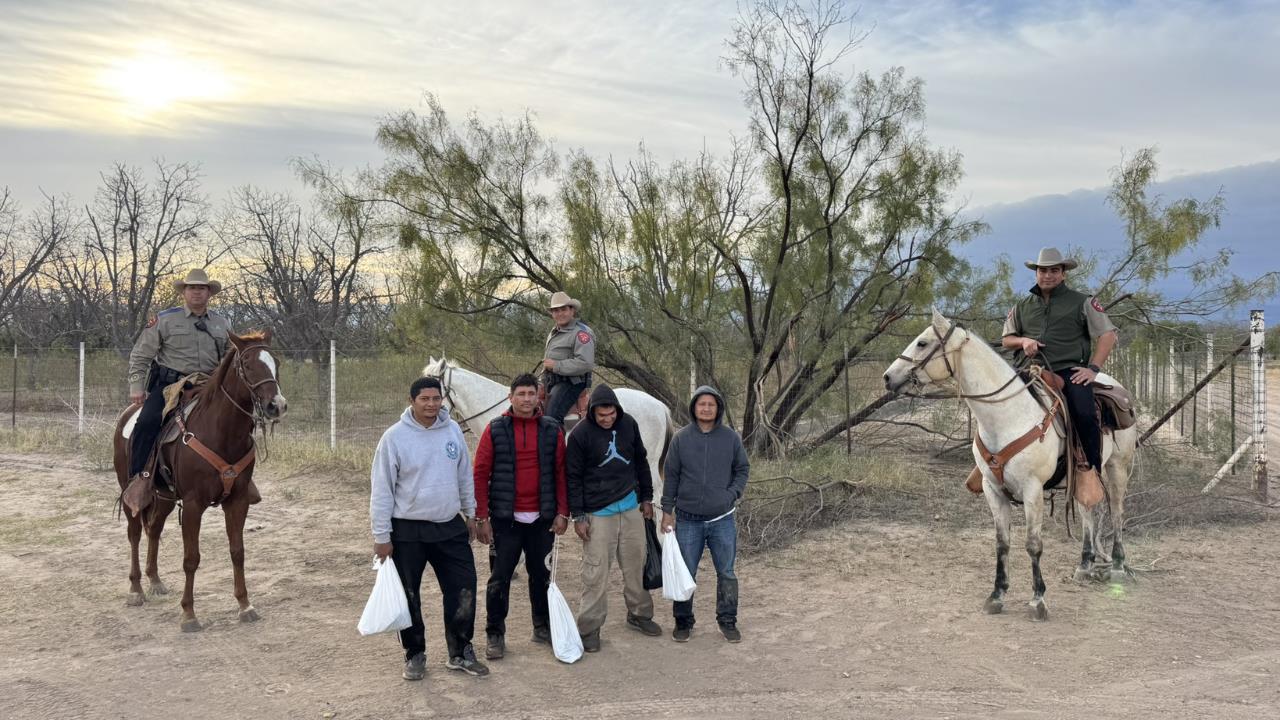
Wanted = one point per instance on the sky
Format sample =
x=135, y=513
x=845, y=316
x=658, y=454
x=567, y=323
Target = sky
x=1040, y=98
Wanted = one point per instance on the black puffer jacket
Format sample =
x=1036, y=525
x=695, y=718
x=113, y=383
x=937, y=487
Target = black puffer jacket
x=601, y=465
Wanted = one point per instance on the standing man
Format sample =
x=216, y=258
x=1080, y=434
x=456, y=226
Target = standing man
x=1058, y=326
x=610, y=495
x=705, y=476
x=420, y=507
x=521, y=505
x=569, y=358
x=175, y=343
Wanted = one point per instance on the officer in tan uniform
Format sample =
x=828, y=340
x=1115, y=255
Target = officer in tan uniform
x=1069, y=333
x=176, y=342
x=569, y=358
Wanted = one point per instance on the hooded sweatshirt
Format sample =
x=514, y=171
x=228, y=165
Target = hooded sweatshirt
x=706, y=472
x=420, y=473
x=604, y=466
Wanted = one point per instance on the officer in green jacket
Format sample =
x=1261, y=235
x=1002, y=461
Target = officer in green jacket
x=175, y=343
x=1069, y=333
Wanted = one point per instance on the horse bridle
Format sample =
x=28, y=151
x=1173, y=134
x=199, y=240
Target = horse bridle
x=941, y=348
x=445, y=378
x=258, y=413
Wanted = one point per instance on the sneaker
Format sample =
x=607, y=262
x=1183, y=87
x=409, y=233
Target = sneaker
x=496, y=648
x=681, y=634
x=644, y=625
x=591, y=641
x=542, y=636
x=467, y=663
x=730, y=632
x=415, y=668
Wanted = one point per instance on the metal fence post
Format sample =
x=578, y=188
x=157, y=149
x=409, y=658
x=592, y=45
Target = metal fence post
x=80, y=402
x=333, y=394
x=1208, y=397
x=1257, y=332
x=13, y=406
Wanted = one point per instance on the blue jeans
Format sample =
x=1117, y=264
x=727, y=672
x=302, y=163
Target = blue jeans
x=721, y=536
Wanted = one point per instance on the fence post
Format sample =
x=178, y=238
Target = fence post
x=80, y=403
x=1257, y=333
x=333, y=394
x=1208, y=395
x=1195, y=403
x=1182, y=389
x=1233, y=408
x=848, y=432
x=13, y=406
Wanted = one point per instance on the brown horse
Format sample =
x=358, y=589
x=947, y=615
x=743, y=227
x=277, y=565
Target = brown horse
x=243, y=393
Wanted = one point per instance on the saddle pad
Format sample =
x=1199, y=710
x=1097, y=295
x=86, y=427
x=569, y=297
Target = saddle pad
x=172, y=428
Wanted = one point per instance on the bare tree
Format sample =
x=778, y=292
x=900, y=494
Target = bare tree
x=26, y=248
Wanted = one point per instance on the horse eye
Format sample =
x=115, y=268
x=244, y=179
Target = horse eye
x=922, y=343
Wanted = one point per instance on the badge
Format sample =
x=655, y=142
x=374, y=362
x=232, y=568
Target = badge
x=1096, y=305
x=451, y=449
x=583, y=337
x=152, y=321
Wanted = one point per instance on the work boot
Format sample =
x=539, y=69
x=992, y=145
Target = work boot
x=681, y=633
x=496, y=648
x=415, y=668
x=644, y=625
x=591, y=641
x=542, y=636
x=730, y=632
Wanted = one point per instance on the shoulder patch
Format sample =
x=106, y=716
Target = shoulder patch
x=1096, y=305
x=152, y=322
x=584, y=337
x=1009, y=316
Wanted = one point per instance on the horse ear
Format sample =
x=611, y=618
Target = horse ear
x=940, y=321
x=235, y=340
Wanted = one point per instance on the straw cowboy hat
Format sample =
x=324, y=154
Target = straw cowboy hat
x=198, y=277
x=1049, y=257
x=561, y=298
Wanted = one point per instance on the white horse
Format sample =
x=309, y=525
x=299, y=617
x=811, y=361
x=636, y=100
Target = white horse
x=474, y=400
x=1005, y=410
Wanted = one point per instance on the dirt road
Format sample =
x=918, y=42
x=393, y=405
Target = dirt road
x=869, y=619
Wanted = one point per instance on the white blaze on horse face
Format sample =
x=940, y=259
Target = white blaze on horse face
x=269, y=361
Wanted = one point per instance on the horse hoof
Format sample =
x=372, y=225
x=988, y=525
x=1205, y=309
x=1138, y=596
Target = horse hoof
x=1083, y=576
x=157, y=588
x=249, y=615
x=135, y=599
x=993, y=606
x=1122, y=576
x=192, y=625
x=1039, y=612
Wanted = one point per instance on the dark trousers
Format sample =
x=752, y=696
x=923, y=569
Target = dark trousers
x=1084, y=418
x=510, y=538
x=721, y=538
x=145, y=430
x=455, y=568
x=561, y=397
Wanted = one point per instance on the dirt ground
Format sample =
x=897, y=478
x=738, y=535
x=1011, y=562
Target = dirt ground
x=866, y=619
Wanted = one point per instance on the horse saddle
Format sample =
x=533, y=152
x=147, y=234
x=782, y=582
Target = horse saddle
x=579, y=407
x=180, y=399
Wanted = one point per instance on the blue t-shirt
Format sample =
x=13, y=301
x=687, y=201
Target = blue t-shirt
x=628, y=502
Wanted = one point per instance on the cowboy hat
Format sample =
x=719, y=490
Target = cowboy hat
x=1049, y=257
x=561, y=298
x=198, y=277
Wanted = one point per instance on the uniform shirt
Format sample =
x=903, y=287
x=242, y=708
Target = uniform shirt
x=1066, y=322
x=573, y=348
x=172, y=339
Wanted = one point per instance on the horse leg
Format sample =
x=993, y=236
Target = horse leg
x=136, y=597
x=235, y=513
x=1000, y=510
x=1089, y=530
x=1118, y=474
x=154, y=528
x=1034, y=509
x=190, y=561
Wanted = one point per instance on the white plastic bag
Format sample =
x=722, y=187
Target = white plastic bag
x=565, y=640
x=388, y=608
x=677, y=583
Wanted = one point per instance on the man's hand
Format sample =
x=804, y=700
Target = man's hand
x=583, y=528
x=548, y=364
x=1031, y=346
x=1083, y=376
x=382, y=550
x=646, y=509
x=137, y=397
x=484, y=532
x=560, y=524
x=668, y=522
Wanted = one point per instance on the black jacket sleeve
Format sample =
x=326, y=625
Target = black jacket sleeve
x=574, y=467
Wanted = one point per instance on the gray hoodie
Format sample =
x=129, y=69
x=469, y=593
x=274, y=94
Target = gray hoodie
x=705, y=472
x=420, y=473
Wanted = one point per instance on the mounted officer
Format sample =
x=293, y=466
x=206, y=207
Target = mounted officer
x=1059, y=327
x=569, y=358
x=175, y=343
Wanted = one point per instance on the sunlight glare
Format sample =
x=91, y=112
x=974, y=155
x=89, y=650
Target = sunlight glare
x=156, y=77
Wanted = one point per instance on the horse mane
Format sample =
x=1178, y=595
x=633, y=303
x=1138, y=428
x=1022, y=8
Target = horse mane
x=255, y=336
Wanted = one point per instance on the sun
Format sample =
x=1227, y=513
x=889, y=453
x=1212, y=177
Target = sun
x=157, y=77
